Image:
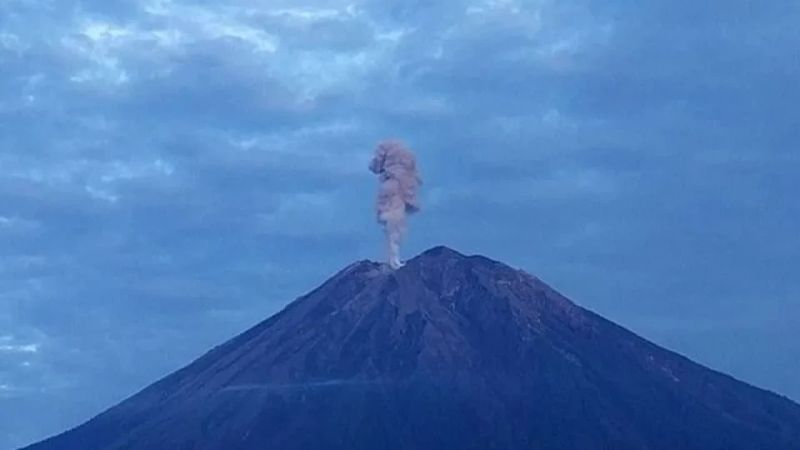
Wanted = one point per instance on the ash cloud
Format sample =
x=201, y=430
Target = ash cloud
x=396, y=167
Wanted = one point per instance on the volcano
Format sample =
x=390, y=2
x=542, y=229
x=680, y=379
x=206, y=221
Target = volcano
x=448, y=352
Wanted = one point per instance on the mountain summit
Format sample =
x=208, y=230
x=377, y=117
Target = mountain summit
x=448, y=352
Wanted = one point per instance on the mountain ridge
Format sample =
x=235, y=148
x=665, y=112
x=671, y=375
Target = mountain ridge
x=449, y=351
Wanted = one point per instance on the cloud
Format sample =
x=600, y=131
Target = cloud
x=27, y=348
x=161, y=160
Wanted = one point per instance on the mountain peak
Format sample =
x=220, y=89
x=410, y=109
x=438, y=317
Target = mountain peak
x=440, y=251
x=449, y=351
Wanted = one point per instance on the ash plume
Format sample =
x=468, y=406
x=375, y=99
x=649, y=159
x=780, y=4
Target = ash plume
x=399, y=179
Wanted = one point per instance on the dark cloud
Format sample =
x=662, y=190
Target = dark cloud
x=175, y=171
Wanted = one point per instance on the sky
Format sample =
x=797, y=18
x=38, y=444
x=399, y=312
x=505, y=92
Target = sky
x=174, y=171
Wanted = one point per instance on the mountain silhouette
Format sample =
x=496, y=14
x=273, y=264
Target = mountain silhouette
x=449, y=352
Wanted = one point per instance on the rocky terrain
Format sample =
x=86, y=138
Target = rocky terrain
x=448, y=352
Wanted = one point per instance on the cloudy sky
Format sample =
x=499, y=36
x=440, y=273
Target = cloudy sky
x=174, y=171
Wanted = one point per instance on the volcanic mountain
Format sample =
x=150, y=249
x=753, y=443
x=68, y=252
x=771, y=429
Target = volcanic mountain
x=449, y=352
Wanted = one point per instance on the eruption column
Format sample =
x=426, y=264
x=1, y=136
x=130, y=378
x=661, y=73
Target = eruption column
x=396, y=168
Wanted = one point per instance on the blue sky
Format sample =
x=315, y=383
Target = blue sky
x=174, y=171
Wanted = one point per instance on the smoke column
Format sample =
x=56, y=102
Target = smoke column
x=396, y=168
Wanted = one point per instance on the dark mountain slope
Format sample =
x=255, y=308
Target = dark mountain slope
x=449, y=352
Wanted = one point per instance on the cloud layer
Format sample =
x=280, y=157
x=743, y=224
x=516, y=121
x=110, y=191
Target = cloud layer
x=175, y=171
